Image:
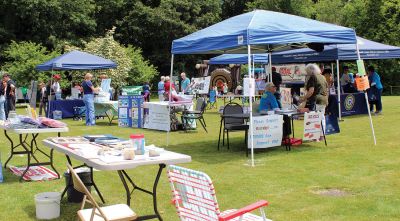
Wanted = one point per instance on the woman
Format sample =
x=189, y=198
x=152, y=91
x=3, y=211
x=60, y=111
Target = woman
x=43, y=99
x=375, y=90
x=3, y=88
x=316, y=86
x=268, y=101
x=88, y=99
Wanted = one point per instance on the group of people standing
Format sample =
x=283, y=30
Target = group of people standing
x=165, y=85
x=7, y=96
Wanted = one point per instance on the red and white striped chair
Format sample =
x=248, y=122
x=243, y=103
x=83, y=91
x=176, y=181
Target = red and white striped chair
x=195, y=200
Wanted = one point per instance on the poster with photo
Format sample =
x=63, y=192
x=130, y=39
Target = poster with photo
x=201, y=85
x=292, y=72
x=267, y=131
x=312, y=126
x=286, y=97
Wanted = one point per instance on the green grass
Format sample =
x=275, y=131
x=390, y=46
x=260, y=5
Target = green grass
x=370, y=174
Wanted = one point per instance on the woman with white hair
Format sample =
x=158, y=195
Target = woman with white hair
x=316, y=86
x=88, y=99
x=160, y=88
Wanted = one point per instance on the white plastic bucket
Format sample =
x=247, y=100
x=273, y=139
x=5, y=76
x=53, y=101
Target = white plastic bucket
x=47, y=205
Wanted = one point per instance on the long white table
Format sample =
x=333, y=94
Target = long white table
x=165, y=158
x=30, y=148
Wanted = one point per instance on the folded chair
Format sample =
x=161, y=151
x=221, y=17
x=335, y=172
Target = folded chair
x=118, y=212
x=189, y=116
x=212, y=100
x=195, y=200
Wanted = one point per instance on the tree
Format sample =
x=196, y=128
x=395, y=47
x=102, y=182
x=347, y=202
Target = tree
x=154, y=28
x=303, y=8
x=23, y=58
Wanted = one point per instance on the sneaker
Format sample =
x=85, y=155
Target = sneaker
x=378, y=112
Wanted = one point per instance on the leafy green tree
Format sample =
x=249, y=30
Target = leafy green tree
x=22, y=60
x=303, y=8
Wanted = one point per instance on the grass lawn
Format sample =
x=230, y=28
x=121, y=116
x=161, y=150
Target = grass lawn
x=290, y=181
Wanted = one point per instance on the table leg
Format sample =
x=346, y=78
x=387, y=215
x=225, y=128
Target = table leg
x=12, y=149
x=124, y=177
x=29, y=156
x=219, y=137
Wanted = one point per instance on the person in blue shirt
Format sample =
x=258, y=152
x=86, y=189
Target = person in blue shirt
x=146, y=92
x=375, y=90
x=88, y=99
x=268, y=101
x=185, y=83
x=160, y=88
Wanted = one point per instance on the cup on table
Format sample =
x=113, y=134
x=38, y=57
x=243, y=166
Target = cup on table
x=128, y=153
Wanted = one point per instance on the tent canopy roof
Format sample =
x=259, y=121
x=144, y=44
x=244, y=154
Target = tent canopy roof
x=76, y=60
x=368, y=50
x=265, y=31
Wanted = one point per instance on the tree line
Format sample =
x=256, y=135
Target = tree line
x=148, y=27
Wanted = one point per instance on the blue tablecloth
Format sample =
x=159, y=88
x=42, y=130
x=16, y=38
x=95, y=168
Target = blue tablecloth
x=352, y=104
x=65, y=106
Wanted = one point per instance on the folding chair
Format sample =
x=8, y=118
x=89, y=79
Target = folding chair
x=118, y=212
x=195, y=200
x=212, y=100
x=189, y=116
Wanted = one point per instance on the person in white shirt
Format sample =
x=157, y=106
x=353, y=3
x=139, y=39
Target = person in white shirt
x=55, y=87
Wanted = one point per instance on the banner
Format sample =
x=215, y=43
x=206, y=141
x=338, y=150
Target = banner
x=201, y=85
x=267, y=131
x=131, y=90
x=286, y=97
x=292, y=72
x=312, y=125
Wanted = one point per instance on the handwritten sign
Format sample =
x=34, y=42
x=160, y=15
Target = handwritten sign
x=312, y=125
x=267, y=131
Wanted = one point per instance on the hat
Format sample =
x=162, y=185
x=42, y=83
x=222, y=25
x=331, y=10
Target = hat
x=270, y=85
x=57, y=76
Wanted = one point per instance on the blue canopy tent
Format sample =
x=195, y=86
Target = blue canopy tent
x=76, y=60
x=341, y=52
x=261, y=31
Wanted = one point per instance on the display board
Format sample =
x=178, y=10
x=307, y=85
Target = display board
x=248, y=87
x=286, y=97
x=267, y=131
x=130, y=111
x=157, y=117
x=201, y=85
x=312, y=125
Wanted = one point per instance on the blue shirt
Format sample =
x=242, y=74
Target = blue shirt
x=184, y=84
x=146, y=88
x=374, y=78
x=160, y=87
x=268, y=102
x=87, y=87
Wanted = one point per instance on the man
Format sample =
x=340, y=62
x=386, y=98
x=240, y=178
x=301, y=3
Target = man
x=161, y=90
x=185, y=83
x=375, y=90
x=9, y=94
x=55, y=87
x=277, y=80
x=268, y=101
x=316, y=96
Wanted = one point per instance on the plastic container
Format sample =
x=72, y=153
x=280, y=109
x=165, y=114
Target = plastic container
x=57, y=115
x=73, y=195
x=47, y=205
x=138, y=143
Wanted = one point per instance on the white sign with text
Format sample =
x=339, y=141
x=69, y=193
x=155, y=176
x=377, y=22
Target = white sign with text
x=267, y=131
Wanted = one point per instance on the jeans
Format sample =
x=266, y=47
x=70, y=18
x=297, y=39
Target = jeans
x=10, y=105
x=43, y=106
x=377, y=102
x=88, y=99
x=2, y=108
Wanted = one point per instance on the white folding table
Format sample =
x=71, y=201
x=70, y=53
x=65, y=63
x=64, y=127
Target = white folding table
x=165, y=158
x=31, y=147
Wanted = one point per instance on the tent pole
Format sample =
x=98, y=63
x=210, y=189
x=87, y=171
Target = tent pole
x=270, y=65
x=169, y=95
x=251, y=89
x=338, y=89
x=366, y=99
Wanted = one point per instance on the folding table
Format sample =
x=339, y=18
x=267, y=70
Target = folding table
x=30, y=147
x=165, y=158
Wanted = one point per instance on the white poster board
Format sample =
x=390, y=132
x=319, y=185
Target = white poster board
x=158, y=116
x=286, y=97
x=106, y=85
x=292, y=72
x=267, y=131
x=248, y=87
x=201, y=85
x=312, y=125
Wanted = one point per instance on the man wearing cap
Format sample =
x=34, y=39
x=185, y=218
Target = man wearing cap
x=268, y=101
x=56, y=86
x=9, y=94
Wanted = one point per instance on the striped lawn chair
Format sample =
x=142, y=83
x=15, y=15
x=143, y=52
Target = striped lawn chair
x=195, y=200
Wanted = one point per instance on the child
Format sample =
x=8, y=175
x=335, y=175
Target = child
x=146, y=92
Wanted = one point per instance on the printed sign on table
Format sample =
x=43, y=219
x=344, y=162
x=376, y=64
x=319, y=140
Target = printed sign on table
x=286, y=98
x=201, y=85
x=267, y=131
x=312, y=125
